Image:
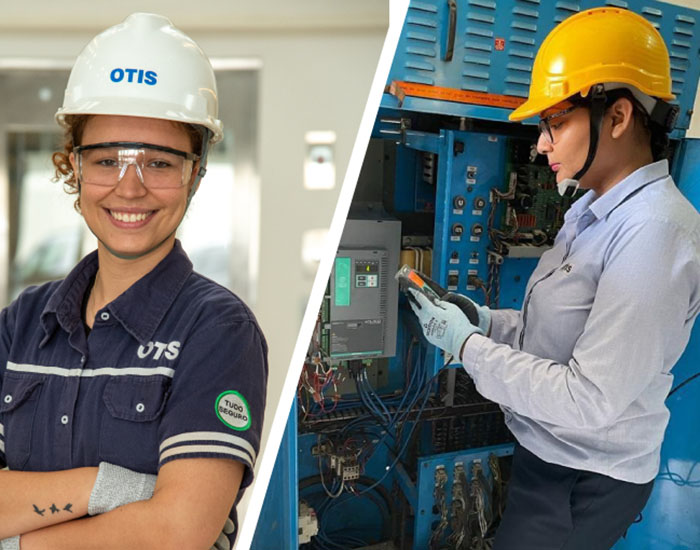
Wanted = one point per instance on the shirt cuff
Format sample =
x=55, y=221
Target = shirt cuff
x=503, y=323
x=472, y=351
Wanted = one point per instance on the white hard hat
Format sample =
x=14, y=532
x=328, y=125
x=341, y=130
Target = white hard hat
x=144, y=67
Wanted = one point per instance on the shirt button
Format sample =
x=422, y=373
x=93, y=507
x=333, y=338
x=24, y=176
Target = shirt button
x=104, y=316
x=8, y=398
x=64, y=419
x=140, y=407
x=82, y=360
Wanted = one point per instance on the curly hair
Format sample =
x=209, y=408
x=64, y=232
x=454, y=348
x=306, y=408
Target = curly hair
x=75, y=126
x=73, y=135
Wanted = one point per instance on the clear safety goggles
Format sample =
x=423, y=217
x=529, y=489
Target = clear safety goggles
x=157, y=166
x=545, y=123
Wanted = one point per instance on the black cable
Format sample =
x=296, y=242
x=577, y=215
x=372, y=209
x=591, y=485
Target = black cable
x=362, y=480
x=679, y=386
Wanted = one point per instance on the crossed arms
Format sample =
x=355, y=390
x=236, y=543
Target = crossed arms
x=190, y=504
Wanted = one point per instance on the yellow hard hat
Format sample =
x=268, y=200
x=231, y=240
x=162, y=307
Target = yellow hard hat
x=593, y=47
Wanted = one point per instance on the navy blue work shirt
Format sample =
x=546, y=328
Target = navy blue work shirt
x=175, y=367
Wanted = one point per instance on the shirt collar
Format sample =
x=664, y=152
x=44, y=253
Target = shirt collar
x=579, y=207
x=140, y=309
x=628, y=186
x=602, y=206
x=64, y=306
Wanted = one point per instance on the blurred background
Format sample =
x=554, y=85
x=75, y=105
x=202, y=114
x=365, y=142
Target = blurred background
x=293, y=81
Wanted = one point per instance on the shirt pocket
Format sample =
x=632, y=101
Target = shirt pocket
x=130, y=421
x=18, y=404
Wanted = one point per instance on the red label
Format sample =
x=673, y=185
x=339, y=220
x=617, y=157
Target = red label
x=500, y=44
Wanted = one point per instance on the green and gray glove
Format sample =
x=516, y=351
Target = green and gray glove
x=444, y=324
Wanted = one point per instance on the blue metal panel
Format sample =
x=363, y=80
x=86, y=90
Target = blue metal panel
x=425, y=513
x=470, y=174
x=515, y=273
x=496, y=42
x=279, y=517
x=413, y=195
x=688, y=174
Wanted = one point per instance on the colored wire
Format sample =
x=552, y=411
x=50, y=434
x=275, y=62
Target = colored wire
x=407, y=440
x=677, y=479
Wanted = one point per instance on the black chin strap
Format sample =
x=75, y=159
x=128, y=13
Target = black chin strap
x=597, y=112
x=569, y=186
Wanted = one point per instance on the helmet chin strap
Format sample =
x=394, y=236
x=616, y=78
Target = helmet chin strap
x=195, y=185
x=569, y=186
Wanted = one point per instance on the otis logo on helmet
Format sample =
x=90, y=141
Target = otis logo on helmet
x=232, y=409
x=139, y=76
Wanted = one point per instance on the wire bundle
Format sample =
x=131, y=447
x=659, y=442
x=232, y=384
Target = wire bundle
x=326, y=510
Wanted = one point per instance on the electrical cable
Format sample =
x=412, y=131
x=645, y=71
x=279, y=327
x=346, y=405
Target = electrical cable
x=677, y=479
x=323, y=483
x=388, y=512
x=674, y=477
x=679, y=386
x=408, y=438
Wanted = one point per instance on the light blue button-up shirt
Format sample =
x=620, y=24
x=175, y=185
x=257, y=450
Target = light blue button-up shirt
x=582, y=372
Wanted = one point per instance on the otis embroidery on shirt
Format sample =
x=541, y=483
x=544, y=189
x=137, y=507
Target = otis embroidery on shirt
x=157, y=349
x=233, y=410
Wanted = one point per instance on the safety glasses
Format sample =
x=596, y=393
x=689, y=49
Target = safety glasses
x=156, y=166
x=545, y=126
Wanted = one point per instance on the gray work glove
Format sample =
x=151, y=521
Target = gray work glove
x=222, y=543
x=10, y=544
x=444, y=324
x=466, y=304
x=116, y=486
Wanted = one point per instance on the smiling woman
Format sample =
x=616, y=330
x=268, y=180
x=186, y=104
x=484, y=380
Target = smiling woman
x=133, y=390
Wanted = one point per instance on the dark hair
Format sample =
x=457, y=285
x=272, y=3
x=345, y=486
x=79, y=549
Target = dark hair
x=73, y=135
x=658, y=138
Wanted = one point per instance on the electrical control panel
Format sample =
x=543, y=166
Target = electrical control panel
x=393, y=451
x=358, y=312
x=361, y=320
x=460, y=497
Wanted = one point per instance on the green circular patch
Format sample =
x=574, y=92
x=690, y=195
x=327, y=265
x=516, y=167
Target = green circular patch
x=233, y=410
